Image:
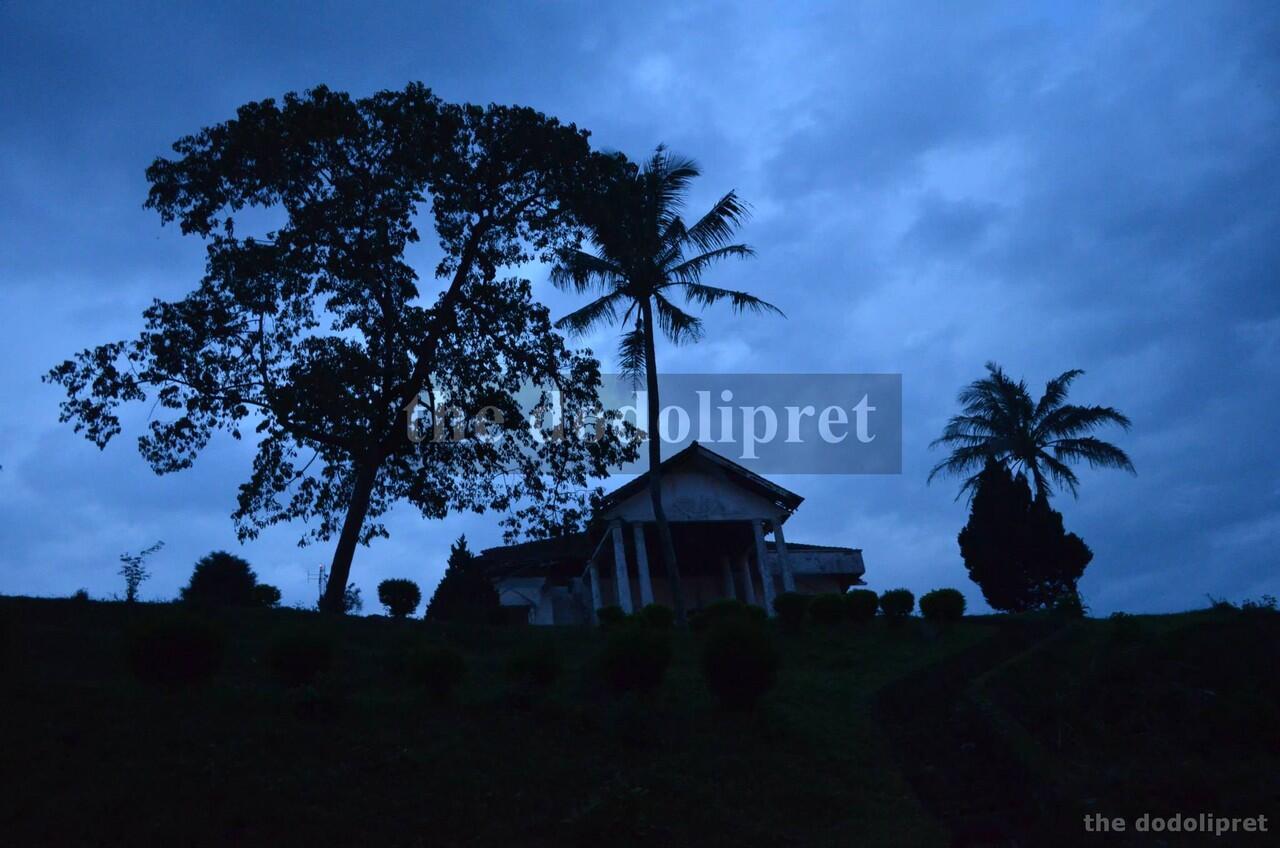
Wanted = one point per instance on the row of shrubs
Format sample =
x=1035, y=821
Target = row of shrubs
x=738, y=659
x=795, y=609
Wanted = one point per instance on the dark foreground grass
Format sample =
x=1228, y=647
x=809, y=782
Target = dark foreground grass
x=92, y=756
x=1156, y=715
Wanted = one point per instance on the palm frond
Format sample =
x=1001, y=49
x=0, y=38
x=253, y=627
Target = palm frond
x=631, y=352
x=690, y=270
x=717, y=226
x=741, y=301
x=601, y=310
x=960, y=461
x=1055, y=392
x=667, y=177
x=1060, y=472
x=584, y=272
x=1095, y=451
x=1071, y=420
x=675, y=323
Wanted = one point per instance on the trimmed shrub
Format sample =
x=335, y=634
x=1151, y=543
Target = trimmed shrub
x=791, y=608
x=897, y=604
x=610, y=616
x=175, y=651
x=657, y=616
x=722, y=610
x=827, y=610
x=265, y=595
x=537, y=665
x=221, y=579
x=437, y=668
x=400, y=596
x=861, y=604
x=739, y=663
x=635, y=659
x=297, y=659
x=942, y=605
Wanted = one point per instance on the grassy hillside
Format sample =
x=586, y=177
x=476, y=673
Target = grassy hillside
x=992, y=729
x=367, y=759
x=1146, y=714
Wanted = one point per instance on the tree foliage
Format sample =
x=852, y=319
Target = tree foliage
x=133, y=568
x=311, y=332
x=1039, y=437
x=1015, y=546
x=464, y=594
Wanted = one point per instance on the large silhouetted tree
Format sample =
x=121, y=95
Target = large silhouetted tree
x=1041, y=437
x=644, y=255
x=311, y=332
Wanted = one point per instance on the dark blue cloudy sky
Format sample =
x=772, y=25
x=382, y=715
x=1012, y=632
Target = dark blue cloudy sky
x=1050, y=186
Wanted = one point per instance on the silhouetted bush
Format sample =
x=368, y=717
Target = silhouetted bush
x=265, y=595
x=1266, y=605
x=81, y=595
x=437, y=668
x=221, y=579
x=298, y=659
x=635, y=659
x=942, y=605
x=400, y=596
x=536, y=665
x=827, y=610
x=791, y=608
x=610, y=616
x=739, y=663
x=723, y=610
x=657, y=616
x=897, y=604
x=861, y=604
x=175, y=650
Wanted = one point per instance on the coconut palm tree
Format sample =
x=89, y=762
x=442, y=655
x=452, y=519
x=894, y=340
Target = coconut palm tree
x=643, y=255
x=1040, y=438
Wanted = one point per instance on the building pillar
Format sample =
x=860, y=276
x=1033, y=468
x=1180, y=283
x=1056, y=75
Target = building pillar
x=642, y=566
x=620, y=567
x=788, y=578
x=748, y=585
x=597, y=599
x=728, y=576
x=762, y=562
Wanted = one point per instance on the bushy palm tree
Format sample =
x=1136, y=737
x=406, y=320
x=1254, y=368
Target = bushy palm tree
x=1040, y=438
x=644, y=255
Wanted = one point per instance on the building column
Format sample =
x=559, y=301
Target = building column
x=620, y=567
x=728, y=576
x=788, y=578
x=762, y=562
x=748, y=585
x=597, y=600
x=642, y=566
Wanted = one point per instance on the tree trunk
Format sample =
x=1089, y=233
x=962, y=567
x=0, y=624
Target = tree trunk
x=665, y=543
x=340, y=568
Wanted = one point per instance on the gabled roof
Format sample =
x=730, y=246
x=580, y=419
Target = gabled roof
x=537, y=557
x=697, y=454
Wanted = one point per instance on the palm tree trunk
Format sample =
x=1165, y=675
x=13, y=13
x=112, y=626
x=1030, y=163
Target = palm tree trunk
x=340, y=568
x=665, y=543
